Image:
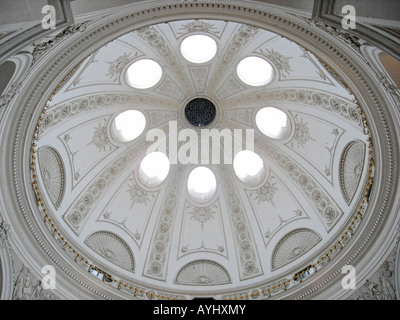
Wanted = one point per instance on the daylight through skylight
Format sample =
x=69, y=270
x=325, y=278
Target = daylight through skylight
x=198, y=48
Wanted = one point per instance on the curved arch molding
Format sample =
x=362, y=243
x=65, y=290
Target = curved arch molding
x=112, y=248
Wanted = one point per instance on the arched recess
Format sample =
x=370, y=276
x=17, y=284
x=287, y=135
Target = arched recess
x=292, y=246
x=386, y=68
x=392, y=67
x=13, y=72
x=202, y=273
x=53, y=174
x=112, y=248
x=7, y=69
x=351, y=168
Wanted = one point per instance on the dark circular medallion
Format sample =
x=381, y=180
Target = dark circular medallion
x=200, y=112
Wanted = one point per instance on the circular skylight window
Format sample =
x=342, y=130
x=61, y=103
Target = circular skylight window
x=249, y=167
x=202, y=184
x=154, y=168
x=198, y=48
x=143, y=74
x=255, y=71
x=128, y=125
x=273, y=122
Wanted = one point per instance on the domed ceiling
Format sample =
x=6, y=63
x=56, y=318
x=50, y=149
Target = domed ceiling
x=161, y=237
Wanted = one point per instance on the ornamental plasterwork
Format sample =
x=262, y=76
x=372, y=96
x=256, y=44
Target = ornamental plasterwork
x=279, y=208
x=79, y=212
x=159, y=248
x=240, y=38
x=25, y=287
x=64, y=111
x=206, y=222
x=329, y=212
x=279, y=60
x=339, y=106
x=118, y=64
x=100, y=137
x=301, y=134
x=230, y=87
x=112, y=248
x=246, y=249
x=352, y=41
x=318, y=151
x=266, y=192
x=381, y=285
x=84, y=139
x=203, y=273
x=202, y=214
x=154, y=38
x=351, y=168
x=39, y=48
x=170, y=89
x=130, y=209
x=4, y=233
x=7, y=96
x=53, y=175
x=296, y=214
x=200, y=26
x=217, y=249
x=199, y=76
x=292, y=246
x=137, y=194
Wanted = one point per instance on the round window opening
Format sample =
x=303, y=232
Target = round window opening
x=200, y=112
x=273, y=122
x=198, y=48
x=249, y=167
x=255, y=71
x=154, y=169
x=128, y=125
x=143, y=74
x=201, y=184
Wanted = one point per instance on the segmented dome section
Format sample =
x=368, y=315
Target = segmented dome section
x=293, y=245
x=203, y=273
x=52, y=171
x=112, y=248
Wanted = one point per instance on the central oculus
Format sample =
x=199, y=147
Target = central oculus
x=200, y=112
